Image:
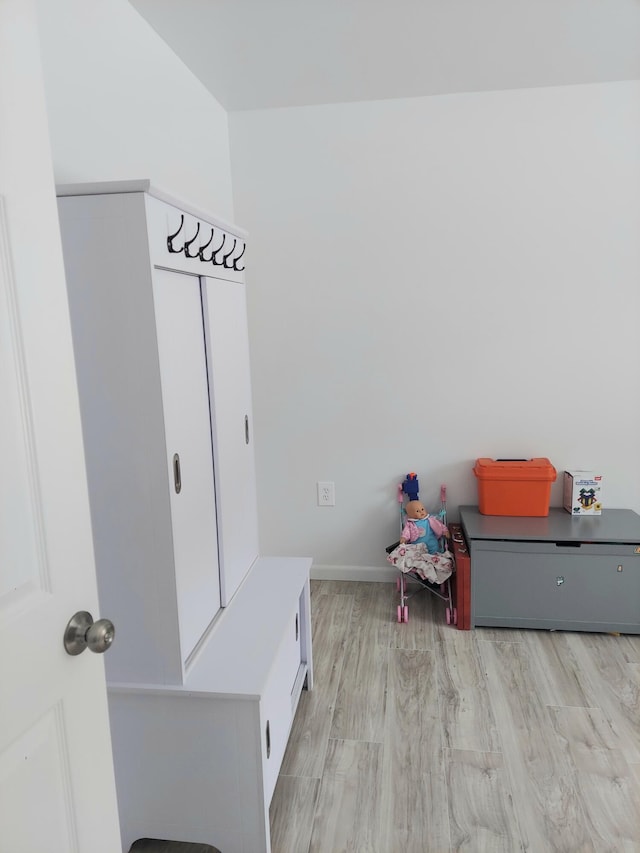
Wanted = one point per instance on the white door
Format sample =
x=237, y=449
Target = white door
x=57, y=790
x=185, y=401
x=225, y=318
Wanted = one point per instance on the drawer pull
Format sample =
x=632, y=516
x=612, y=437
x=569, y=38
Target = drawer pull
x=246, y=429
x=568, y=544
x=268, y=738
x=297, y=628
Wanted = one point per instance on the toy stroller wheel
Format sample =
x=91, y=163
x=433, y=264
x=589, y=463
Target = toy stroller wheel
x=447, y=614
x=399, y=613
x=405, y=613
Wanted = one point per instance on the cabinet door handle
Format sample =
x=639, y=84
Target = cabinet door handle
x=268, y=738
x=246, y=429
x=297, y=628
x=177, y=476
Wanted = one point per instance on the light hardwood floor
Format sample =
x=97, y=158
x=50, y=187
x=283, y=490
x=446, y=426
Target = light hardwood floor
x=420, y=738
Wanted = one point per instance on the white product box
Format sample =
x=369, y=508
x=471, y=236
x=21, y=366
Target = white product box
x=582, y=492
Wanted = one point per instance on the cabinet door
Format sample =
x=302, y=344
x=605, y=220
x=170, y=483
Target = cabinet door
x=189, y=456
x=231, y=420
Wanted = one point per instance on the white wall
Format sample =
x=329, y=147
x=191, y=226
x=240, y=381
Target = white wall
x=122, y=106
x=432, y=280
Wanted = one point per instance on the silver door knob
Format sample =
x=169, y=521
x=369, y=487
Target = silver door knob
x=83, y=632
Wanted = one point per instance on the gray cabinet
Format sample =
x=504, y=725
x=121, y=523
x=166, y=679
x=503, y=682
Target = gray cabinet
x=557, y=572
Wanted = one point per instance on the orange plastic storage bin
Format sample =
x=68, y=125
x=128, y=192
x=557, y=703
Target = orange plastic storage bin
x=514, y=486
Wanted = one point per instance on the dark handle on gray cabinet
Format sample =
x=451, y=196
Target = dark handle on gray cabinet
x=246, y=429
x=177, y=476
x=268, y=736
x=297, y=628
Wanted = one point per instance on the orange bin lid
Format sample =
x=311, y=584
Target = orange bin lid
x=538, y=468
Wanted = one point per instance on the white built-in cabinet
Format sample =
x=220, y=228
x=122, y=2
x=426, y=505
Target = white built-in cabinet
x=213, y=641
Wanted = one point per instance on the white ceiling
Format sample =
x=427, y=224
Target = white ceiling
x=254, y=54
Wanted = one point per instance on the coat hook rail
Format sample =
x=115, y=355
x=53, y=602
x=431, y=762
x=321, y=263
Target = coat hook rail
x=226, y=260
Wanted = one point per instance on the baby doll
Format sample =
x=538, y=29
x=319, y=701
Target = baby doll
x=421, y=527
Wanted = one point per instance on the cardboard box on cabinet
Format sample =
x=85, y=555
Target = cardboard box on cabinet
x=582, y=492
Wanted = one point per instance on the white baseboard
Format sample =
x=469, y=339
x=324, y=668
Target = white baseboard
x=353, y=573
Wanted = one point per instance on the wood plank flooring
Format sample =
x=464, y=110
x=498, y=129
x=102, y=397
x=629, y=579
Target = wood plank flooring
x=420, y=738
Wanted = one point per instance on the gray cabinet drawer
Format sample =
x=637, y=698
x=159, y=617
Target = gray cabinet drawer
x=547, y=585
